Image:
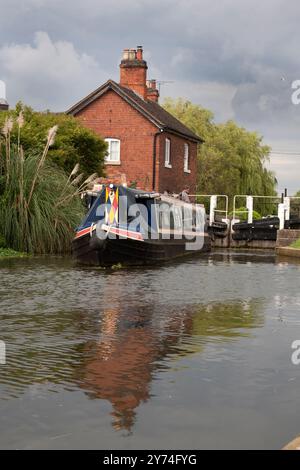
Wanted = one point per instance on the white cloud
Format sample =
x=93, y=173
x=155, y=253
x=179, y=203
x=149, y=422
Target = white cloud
x=285, y=162
x=287, y=170
x=48, y=74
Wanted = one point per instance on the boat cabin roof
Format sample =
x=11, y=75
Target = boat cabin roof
x=135, y=194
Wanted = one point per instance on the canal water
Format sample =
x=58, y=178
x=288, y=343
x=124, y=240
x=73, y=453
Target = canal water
x=193, y=355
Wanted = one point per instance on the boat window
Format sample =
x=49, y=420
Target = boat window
x=166, y=219
x=151, y=222
x=177, y=214
x=187, y=217
x=200, y=217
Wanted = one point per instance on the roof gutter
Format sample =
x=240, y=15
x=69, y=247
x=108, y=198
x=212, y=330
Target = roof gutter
x=195, y=139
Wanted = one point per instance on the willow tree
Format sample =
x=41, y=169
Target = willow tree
x=232, y=160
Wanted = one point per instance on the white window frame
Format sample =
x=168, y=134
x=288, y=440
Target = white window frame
x=186, y=158
x=168, y=153
x=108, y=161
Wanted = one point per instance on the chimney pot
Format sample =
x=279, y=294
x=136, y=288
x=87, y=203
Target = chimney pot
x=152, y=92
x=133, y=71
x=125, y=54
x=132, y=54
x=139, y=53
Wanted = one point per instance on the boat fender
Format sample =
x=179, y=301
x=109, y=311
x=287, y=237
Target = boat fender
x=101, y=236
x=92, y=228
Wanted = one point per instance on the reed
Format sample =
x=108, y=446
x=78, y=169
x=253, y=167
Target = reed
x=39, y=204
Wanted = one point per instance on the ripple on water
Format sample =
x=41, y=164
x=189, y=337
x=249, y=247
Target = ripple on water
x=111, y=334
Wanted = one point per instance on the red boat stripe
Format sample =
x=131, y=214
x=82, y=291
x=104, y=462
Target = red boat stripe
x=117, y=231
x=123, y=232
x=84, y=231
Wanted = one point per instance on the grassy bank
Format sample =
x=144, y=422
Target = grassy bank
x=296, y=244
x=9, y=253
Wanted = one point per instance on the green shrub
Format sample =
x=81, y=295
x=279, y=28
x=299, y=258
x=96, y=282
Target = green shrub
x=9, y=253
x=296, y=244
x=242, y=214
x=74, y=143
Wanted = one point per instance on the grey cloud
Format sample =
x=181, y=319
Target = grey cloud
x=288, y=168
x=48, y=74
x=240, y=48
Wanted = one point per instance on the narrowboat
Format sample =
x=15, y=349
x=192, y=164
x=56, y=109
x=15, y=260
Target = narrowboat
x=130, y=226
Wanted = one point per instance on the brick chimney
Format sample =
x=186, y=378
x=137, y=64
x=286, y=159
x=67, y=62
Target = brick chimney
x=133, y=71
x=152, y=91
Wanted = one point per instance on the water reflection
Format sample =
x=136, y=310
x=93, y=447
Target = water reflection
x=177, y=347
x=135, y=340
x=114, y=354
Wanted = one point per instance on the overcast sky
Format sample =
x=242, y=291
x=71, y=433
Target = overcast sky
x=237, y=58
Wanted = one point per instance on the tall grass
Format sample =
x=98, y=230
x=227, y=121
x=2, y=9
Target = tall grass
x=39, y=204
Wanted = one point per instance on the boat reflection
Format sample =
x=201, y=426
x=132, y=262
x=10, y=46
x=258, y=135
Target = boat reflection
x=135, y=343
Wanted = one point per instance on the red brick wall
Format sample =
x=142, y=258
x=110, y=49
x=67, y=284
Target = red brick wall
x=134, y=77
x=175, y=179
x=111, y=116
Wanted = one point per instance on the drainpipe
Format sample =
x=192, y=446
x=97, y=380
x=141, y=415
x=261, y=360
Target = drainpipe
x=154, y=157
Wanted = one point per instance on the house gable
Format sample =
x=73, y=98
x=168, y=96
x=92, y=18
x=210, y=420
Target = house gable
x=112, y=117
x=152, y=111
x=136, y=126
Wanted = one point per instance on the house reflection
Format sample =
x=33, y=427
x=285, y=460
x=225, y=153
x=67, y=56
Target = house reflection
x=135, y=342
x=121, y=367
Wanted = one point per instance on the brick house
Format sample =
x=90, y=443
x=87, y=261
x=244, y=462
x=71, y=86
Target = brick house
x=146, y=144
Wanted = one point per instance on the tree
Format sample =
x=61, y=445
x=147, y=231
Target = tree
x=74, y=143
x=231, y=160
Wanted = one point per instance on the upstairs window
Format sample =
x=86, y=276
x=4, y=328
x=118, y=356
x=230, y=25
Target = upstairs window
x=113, y=150
x=186, y=157
x=168, y=153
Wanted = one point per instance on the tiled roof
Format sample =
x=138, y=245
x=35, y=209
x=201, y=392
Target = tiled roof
x=151, y=110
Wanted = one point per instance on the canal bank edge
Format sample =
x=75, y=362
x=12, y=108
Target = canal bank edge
x=9, y=253
x=288, y=251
